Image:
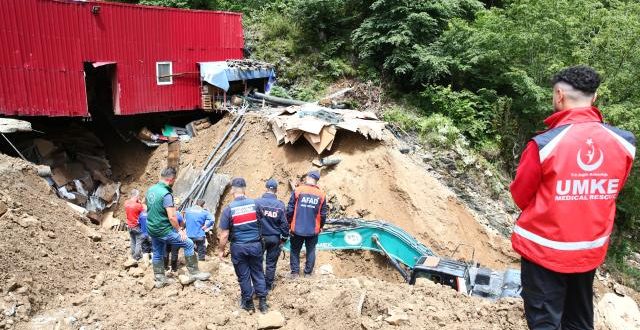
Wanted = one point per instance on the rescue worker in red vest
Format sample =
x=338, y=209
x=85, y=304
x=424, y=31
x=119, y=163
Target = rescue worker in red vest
x=307, y=213
x=239, y=223
x=566, y=185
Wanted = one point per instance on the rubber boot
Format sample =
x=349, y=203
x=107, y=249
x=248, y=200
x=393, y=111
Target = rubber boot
x=262, y=305
x=160, y=277
x=194, y=272
x=248, y=306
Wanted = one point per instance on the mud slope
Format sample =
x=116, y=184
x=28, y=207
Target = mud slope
x=45, y=250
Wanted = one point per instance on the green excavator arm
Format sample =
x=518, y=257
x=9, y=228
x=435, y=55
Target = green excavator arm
x=377, y=236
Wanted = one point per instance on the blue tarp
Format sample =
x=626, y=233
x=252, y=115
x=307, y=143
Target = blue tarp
x=219, y=74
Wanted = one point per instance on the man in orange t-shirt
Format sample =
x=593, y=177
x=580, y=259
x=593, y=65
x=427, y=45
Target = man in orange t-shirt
x=133, y=208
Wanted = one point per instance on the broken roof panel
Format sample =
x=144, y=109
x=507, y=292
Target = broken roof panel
x=220, y=73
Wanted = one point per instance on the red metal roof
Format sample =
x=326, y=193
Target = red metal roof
x=44, y=44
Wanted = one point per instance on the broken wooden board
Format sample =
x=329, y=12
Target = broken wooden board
x=173, y=154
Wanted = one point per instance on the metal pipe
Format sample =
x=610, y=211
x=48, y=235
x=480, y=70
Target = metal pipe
x=279, y=100
x=224, y=137
x=393, y=262
x=14, y=147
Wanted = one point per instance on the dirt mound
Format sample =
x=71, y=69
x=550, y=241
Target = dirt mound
x=373, y=181
x=46, y=249
x=322, y=302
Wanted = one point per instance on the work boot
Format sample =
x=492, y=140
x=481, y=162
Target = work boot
x=248, y=306
x=293, y=276
x=262, y=305
x=194, y=272
x=159, y=276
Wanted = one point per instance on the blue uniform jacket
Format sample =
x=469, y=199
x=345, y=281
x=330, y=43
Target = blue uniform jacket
x=271, y=214
x=240, y=218
x=196, y=217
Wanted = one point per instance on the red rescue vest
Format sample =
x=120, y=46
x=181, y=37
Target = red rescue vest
x=585, y=164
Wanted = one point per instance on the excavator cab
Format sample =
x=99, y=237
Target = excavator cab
x=452, y=273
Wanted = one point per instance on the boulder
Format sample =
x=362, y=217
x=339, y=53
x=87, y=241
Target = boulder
x=3, y=208
x=271, y=320
x=130, y=263
x=136, y=272
x=396, y=317
x=28, y=221
x=618, y=313
x=185, y=280
x=326, y=270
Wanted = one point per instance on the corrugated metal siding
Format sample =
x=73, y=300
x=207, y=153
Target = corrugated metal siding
x=44, y=44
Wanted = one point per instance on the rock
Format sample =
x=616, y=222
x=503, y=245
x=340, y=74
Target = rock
x=172, y=293
x=11, y=285
x=326, y=269
x=129, y=263
x=185, y=280
x=89, y=232
x=619, y=290
x=136, y=272
x=211, y=326
x=51, y=234
x=396, y=317
x=98, y=281
x=220, y=320
x=369, y=324
x=148, y=283
x=80, y=300
x=271, y=320
x=618, y=313
x=3, y=208
x=405, y=150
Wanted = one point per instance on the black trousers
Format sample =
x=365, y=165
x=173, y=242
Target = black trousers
x=556, y=300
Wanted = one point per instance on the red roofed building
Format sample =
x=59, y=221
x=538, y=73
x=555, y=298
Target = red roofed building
x=58, y=57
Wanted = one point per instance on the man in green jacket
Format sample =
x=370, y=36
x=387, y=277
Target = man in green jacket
x=163, y=228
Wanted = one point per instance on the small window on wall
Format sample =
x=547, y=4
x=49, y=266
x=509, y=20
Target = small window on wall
x=164, y=72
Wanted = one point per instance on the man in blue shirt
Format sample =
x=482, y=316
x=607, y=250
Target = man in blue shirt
x=198, y=221
x=146, y=240
x=239, y=222
x=274, y=226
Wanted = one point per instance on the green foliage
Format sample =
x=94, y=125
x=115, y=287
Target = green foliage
x=396, y=35
x=436, y=130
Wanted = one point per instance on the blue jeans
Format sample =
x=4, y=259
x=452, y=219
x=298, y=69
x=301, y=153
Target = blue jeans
x=201, y=246
x=272, y=249
x=136, y=242
x=160, y=245
x=296, y=246
x=247, y=262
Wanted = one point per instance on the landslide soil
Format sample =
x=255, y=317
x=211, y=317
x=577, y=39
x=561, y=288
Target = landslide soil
x=55, y=277
x=374, y=181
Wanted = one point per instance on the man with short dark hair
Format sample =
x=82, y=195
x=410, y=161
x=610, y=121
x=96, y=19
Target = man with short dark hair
x=307, y=213
x=239, y=223
x=198, y=220
x=566, y=185
x=163, y=227
x=274, y=226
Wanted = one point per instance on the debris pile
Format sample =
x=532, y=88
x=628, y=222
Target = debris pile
x=319, y=125
x=207, y=184
x=47, y=249
x=170, y=133
x=75, y=165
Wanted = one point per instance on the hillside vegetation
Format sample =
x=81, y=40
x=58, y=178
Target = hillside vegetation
x=479, y=67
